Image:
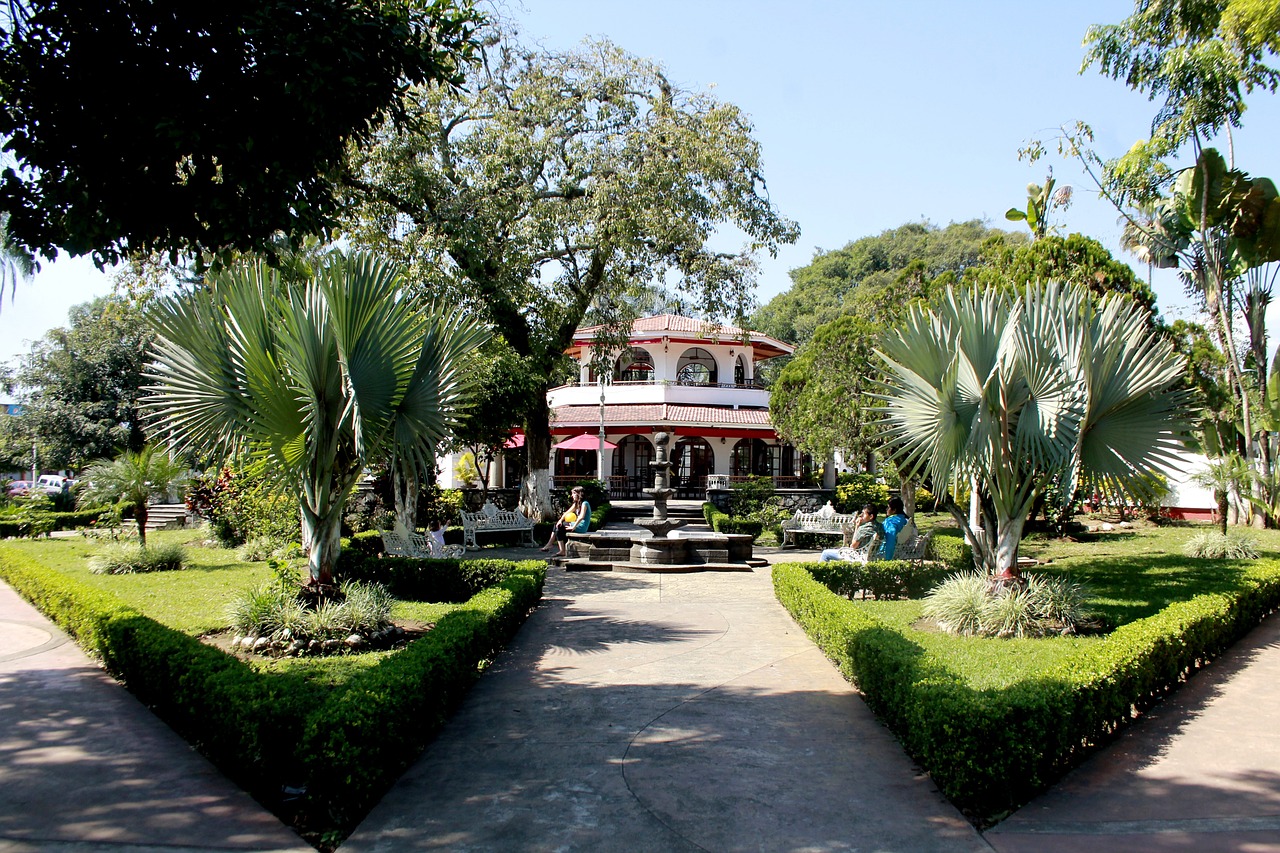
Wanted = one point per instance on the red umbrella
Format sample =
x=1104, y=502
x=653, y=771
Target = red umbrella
x=586, y=441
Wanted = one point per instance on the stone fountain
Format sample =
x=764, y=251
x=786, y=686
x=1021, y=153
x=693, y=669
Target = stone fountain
x=661, y=548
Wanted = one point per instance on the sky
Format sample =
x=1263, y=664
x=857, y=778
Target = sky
x=869, y=116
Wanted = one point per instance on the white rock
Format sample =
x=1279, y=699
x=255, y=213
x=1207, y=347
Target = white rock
x=1106, y=525
x=1126, y=524
x=355, y=640
x=260, y=644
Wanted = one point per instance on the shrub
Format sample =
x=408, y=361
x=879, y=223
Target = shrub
x=749, y=495
x=243, y=504
x=1212, y=545
x=949, y=546
x=127, y=559
x=967, y=604
x=879, y=579
x=265, y=731
x=991, y=750
x=855, y=490
x=257, y=549
x=276, y=612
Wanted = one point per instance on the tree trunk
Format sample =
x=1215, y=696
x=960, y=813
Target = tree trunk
x=907, y=491
x=1008, y=537
x=535, y=492
x=324, y=531
x=140, y=515
x=1223, y=508
x=404, y=490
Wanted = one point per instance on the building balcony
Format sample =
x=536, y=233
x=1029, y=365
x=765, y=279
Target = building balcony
x=749, y=394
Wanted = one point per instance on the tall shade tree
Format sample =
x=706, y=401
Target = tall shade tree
x=322, y=378
x=135, y=476
x=81, y=385
x=1017, y=393
x=551, y=181
x=140, y=125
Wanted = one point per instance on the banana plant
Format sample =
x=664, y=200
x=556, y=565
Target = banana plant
x=1021, y=392
x=321, y=377
x=1041, y=199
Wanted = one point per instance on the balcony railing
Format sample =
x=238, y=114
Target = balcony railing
x=753, y=383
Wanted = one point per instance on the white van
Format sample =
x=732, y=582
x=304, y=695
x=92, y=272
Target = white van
x=51, y=484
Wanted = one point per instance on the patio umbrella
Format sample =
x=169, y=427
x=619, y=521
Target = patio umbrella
x=586, y=441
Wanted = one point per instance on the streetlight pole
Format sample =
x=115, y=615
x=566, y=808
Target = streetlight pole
x=600, y=451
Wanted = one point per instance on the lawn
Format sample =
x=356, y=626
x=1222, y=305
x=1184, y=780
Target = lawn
x=194, y=600
x=1132, y=574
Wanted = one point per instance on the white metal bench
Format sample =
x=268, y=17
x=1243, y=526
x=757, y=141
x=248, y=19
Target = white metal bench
x=490, y=519
x=868, y=552
x=913, y=547
x=417, y=546
x=825, y=520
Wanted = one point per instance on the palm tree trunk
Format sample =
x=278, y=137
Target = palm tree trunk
x=404, y=487
x=140, y=515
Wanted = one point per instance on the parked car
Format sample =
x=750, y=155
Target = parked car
x=19, y=487
x=52, y=484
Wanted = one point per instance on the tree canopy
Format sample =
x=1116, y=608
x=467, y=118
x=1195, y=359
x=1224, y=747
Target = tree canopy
x=81, y=386
x=180, y=127
x=876, y=274
x=549, y=183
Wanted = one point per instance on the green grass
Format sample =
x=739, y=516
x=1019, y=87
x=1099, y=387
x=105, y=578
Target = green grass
x=194, y=600
x=1131, y=574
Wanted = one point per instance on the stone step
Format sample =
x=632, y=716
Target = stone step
x=164, y=516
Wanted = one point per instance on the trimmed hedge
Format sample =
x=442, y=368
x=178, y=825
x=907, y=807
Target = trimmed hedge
x=35, y=522
x=879, y=579
x=722, y=522
x=268, y=730
x=990, y=751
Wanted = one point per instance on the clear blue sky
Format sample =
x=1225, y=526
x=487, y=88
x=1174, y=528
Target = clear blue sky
x=870, y=115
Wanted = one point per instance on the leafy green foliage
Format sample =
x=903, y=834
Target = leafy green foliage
x=1016, y=394
x=854, y=491
x=1075, y=259
x=879, y=579
x=876, y=277
x=322, y=378
x=750, y=495
x=126, y=559
x=276, y=612
x=1199, y=56
x=181, y=128
x=244, y=504
x=133, y=477
x=1232, y=545
x=822, y=400
x=81, y=387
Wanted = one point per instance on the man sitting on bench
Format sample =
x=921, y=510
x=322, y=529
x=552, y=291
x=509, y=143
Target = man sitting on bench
x=867, y=529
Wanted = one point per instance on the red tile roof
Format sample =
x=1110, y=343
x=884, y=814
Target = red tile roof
x=690, y=328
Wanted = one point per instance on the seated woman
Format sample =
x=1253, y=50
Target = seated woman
x=576, y=519
x=867, y=529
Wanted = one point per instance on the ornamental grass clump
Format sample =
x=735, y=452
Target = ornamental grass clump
x=971, y=605
x=274, y=612
x=128, y=559
x=1212, y=545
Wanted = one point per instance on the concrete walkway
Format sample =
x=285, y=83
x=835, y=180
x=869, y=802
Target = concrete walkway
x=85, y=768
x=640, y=712
x=1201, y=772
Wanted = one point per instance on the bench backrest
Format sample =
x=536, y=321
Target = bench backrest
x=490, y=516
x=820, y=519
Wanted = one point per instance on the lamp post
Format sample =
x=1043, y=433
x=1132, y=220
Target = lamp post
x=600, y=451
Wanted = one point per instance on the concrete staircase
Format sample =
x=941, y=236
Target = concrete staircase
x=166, y=516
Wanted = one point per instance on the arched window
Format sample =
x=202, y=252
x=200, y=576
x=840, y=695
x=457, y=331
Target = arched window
x=696, y=367
x=635, y=365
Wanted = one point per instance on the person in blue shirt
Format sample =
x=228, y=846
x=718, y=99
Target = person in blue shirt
x=893, y=524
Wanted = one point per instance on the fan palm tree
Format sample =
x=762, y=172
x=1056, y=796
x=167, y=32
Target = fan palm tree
x=136, y=477
x=322, y=377
x=1020, y=392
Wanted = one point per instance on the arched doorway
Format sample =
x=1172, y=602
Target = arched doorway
x=631, y=471
x=634, y=365
x=693, y=459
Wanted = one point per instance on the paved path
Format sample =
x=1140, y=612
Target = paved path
x=639, y=712
x=1201, y=772
x=85, y=767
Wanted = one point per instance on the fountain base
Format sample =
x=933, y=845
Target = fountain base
x=694, y=552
